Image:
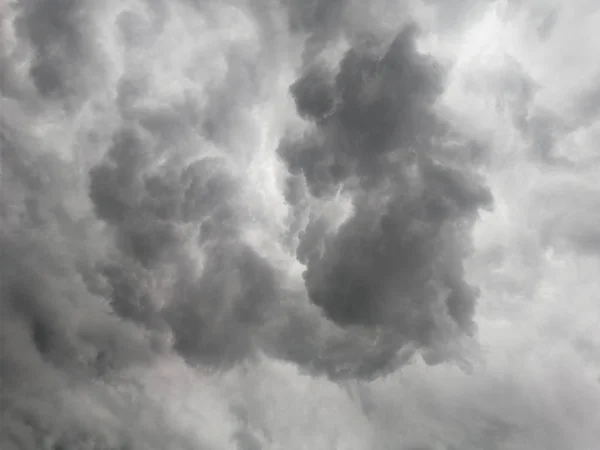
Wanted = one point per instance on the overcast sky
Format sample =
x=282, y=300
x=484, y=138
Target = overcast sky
x=288, y=224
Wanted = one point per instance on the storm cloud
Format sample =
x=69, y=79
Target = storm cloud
x=395, y=263
x=227, y=223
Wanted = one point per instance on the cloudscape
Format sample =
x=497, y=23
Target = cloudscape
x=288, y=224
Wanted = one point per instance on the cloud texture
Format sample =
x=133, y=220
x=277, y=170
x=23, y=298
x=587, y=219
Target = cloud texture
x=262, y=225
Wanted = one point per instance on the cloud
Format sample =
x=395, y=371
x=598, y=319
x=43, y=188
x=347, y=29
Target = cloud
x=56, y=333
x=108, y=215
x=134, y=245
x=249, y=225
x=395, y=264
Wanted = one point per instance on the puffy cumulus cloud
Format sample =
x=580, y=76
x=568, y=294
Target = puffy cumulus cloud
x=124, y=201
x=394, y=266
x=224, y=222
x=161, y=174
x=56, y=333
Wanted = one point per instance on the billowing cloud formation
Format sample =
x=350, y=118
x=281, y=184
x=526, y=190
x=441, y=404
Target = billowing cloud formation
x=109, y=207
x=395, y=264
x=215, y=211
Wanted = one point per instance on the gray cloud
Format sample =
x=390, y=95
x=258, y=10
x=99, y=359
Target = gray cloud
x=56, y=333
x=382, y=103
x=89, y=245
x=395, y=264
x=158, y=216
x=131, y=207
x=57, y=38
x=216, y=316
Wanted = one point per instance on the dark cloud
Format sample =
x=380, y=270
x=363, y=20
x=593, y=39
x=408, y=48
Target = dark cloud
x=314, y=94
x=125, y=217
x=89, y=246
x=214, y=317
x=396, y=263
x=64, y=58
x=382, y=102
x=321, y=20
x=385, y=100
x=210, y=313
x=131, y=203
x=54, y=32
x=56, y=333
x=314, y=15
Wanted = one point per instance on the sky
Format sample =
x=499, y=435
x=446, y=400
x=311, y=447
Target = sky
x=285, y=224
